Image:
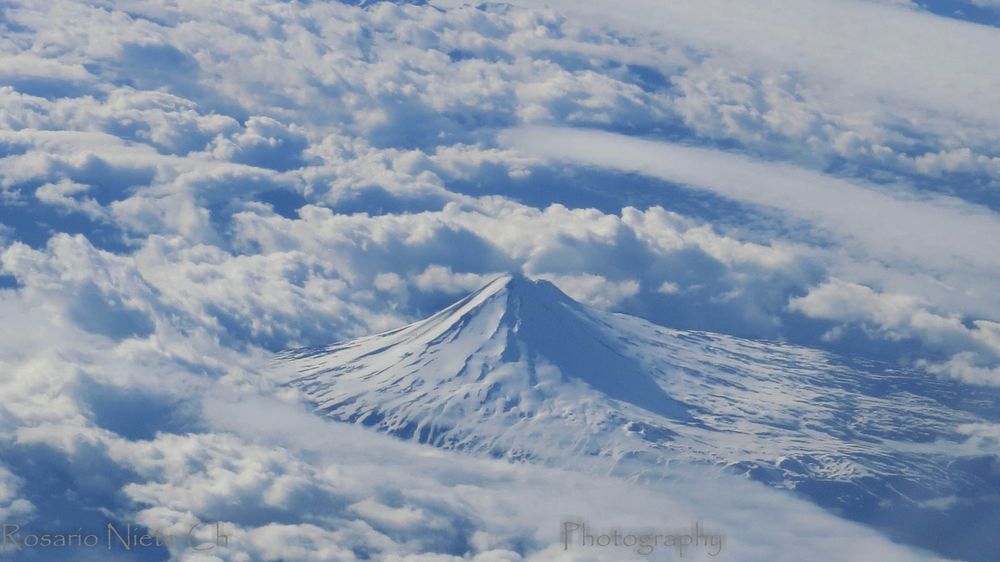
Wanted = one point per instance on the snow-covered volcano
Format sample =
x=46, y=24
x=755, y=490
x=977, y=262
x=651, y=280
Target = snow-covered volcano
x=520, y=370
x=516, y=359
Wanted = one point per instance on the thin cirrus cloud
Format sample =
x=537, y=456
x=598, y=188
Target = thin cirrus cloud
x=852, y=47
x=937, y=232
x=879, y=90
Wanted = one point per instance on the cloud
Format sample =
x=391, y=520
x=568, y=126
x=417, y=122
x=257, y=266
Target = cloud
x=62, y=195
x=494, y=496
x=438, y=278
x=794, y=95
x=33, y=74
x=186, y=188
x=595, y=290
x=974, y=348
x=264, y=142
x=950, y=70
x=864, y=221
x=12, y=507
x=982, y=437
x=883, y=223
x=393, y=111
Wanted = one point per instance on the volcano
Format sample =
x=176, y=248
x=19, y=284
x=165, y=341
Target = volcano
x=521, y=371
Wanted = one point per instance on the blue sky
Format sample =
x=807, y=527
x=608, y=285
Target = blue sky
x=186, y=188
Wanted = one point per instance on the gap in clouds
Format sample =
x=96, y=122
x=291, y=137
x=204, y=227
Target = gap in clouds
x=985, y=12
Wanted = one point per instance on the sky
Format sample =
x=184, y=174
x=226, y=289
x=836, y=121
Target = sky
x=188, y=187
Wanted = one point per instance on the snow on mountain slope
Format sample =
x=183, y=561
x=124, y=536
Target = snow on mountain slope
x=493, y=372
x=520, y=370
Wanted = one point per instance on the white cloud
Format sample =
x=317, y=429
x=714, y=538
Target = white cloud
x=975, y=349
x=383, y=123
x=983, y=437
x=949, y=70
x=499, y=507
x=26, y=65
x=261, y=174
x=62, y=195
x=12, y=507
x=884, y=223
x=439, y=278
x=780, y=80
x=668, y=288
x=594, y=290
x=866, y=223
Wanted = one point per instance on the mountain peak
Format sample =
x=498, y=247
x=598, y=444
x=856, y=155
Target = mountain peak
x=518, y=285
x=515, y=291
x=507, y=283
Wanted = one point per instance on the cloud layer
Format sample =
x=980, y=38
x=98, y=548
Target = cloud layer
x=187, y=187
